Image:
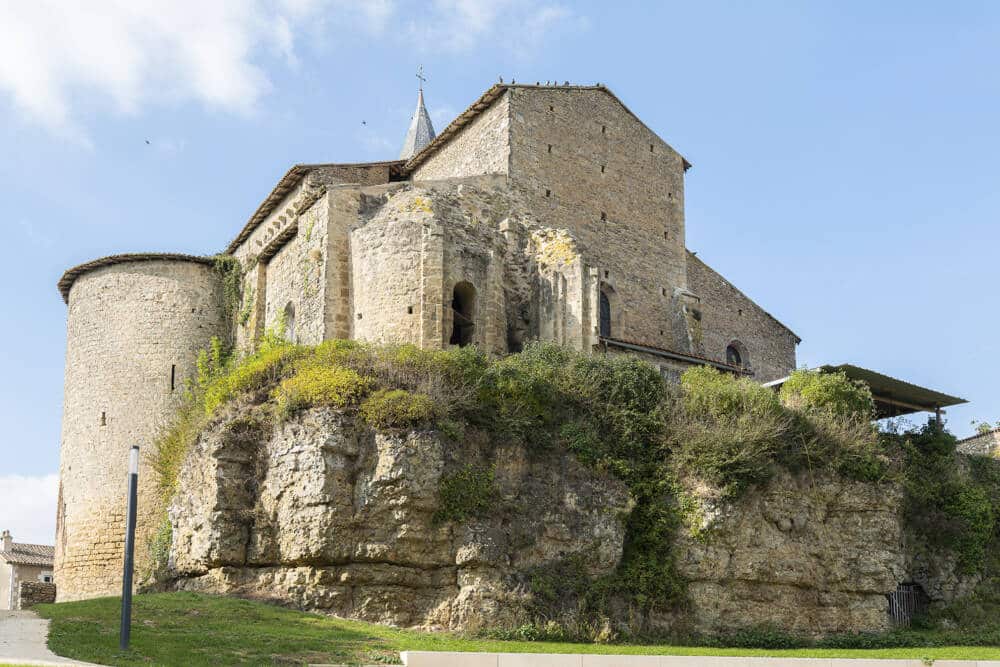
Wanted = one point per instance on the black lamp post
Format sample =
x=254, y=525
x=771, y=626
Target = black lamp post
x=133, y=482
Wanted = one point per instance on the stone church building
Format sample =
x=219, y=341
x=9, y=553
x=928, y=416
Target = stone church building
x=542, y=212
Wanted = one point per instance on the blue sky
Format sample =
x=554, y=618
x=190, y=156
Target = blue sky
x=845, y=155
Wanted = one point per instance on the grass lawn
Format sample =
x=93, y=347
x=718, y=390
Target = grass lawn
x=192, y=629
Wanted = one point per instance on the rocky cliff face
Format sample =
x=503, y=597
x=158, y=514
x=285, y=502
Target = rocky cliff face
x=807, y=555
x=327, y=514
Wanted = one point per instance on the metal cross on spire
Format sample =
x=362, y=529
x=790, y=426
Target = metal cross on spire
x=420, y=75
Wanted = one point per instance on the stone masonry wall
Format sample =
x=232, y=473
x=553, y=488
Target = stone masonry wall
x=35, y=592
x=482, y=147
x=387, y=266
x=727, y=315
x=985, y=444
x=296, y=277
x=587, y=165
x=131, y=327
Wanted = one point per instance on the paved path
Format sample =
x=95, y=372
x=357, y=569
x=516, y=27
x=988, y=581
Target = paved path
x=22, y=640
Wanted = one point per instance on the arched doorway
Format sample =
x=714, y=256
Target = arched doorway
x=463, y=306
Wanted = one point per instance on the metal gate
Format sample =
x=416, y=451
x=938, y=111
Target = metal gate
x=907, y=601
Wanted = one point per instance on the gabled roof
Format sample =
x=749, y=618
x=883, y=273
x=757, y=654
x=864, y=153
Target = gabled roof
x=29, y=554
x=486, y=100
x=691, y=255
x=289, y=182
x=421, y=130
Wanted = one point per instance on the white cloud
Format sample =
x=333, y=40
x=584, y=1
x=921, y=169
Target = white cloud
x=58, y=58
x=134, y=52
x=461, y=25
x=28, y=509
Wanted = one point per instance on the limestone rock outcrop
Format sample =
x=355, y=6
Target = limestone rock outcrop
x=810, y=555
x=327, y=514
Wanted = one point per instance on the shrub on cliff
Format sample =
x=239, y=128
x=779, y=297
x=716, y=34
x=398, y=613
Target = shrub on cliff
x=257, y=372
x=952, y=501
x=316, y=385
x=468, y=493
x=398, y=408
x=731, y=433
x=832, y=392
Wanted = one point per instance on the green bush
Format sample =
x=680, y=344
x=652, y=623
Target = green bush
x=257, y=372
x=398, y=408
x=710, y=394
x=315, y=385
x=468, y=493
x=951, y=508
x=832, y=392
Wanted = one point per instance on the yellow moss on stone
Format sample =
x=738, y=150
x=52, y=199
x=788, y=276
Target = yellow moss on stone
x=556, y=248
x=419, y=204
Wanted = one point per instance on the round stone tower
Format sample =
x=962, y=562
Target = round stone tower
x=135, y=326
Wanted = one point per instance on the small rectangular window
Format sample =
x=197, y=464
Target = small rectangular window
x=604, y=129
x=409, y=310
x=550, y=148
x=602, y=168
x=651, y=148
x=548, y=193
x=604, y=216
x=104, y=419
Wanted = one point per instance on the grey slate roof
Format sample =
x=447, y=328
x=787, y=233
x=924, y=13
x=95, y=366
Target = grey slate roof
x=421, y=131
x=29, y=554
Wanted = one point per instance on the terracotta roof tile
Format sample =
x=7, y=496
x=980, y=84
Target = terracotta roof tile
x=29, y=554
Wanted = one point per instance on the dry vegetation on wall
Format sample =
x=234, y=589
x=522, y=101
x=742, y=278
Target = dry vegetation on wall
x=713, y=438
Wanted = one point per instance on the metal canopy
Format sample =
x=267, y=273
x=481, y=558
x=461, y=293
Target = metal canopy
x=893, y=398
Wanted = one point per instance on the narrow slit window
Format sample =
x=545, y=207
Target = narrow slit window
x=604, y=216
x=602, y=168
x=409, y=310
x=548, y=193
x=173, y=376
x=550, y=148
x=104, y=419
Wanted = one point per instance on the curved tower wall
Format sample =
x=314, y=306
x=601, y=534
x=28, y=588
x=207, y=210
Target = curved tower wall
x=133, y=329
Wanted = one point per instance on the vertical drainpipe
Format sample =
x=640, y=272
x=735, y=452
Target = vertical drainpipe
x=10, y=591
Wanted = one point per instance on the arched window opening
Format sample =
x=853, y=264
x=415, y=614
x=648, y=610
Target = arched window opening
x=463, y=306
x=290, y=322
x=736, y=355
x=605, y=327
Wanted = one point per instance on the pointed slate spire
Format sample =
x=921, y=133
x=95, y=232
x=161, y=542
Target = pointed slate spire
x=421, y=130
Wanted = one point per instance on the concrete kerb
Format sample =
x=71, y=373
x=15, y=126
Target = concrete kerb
x=443, y=659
